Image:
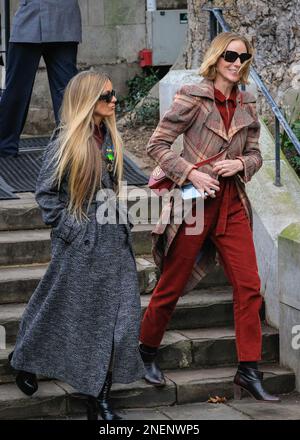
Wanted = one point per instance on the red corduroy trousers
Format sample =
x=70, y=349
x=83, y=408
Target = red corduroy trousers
x=226, y=224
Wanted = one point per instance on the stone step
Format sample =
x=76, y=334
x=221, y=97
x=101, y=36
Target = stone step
x=198, y=348
x=210, y=347
x=17, y=283
x=32, y=247
x=245, y=409
x=24, y=247
x=203, y=308
x=10, y=317
x=55, y=398
x=24, y=213
x=199, y=309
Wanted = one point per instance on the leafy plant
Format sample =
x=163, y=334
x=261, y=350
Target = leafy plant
x=287, y=146
x=289, y=149
x=266, y=120
x=138, y=88
x=146, y=114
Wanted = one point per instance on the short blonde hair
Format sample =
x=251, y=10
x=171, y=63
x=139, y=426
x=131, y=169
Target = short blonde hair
x=215, y=50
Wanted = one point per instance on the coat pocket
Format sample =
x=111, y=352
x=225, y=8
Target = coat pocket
x=68, y=228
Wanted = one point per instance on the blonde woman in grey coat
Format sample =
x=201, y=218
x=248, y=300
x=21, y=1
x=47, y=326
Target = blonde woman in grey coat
x=82, y=323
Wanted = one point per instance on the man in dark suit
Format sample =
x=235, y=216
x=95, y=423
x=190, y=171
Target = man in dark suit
x=41, y=28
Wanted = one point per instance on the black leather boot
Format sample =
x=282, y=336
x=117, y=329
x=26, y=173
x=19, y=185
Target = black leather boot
x=250, y=379
x=101, y=404
x=10, y=356
x=25, y=381
x=153, y=375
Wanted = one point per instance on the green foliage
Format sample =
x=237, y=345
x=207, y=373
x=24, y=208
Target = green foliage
x=148, y=113
x=289, y=149
x=266, y=121
x=290, y=152
x=138, y=88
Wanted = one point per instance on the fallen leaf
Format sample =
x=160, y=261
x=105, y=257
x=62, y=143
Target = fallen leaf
x=217, y=399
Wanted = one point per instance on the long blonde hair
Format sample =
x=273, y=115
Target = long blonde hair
x=77, y=154
x=215, y=50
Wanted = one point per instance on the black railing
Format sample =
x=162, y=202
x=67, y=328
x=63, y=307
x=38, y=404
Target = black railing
x=217, y=24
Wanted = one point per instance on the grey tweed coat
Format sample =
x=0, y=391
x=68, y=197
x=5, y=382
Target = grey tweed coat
x=87, y=306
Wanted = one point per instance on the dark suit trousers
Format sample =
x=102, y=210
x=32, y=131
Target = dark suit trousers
x=226, y=224
x=22, y=64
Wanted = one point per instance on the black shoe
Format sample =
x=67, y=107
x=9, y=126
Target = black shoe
x=250, y=379
x=10, y=356
x=101, y=404
x=153, y=375
x=27, y=382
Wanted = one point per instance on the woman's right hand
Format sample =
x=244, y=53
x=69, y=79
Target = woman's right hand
x=204, y=183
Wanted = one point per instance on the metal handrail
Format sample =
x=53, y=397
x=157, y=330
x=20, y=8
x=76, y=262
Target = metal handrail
x=218, y=23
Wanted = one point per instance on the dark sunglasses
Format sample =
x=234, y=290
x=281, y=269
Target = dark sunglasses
x=230, y=56
x=108, y=96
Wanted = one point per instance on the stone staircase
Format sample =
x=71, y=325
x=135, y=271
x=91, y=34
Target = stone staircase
x=198, y=351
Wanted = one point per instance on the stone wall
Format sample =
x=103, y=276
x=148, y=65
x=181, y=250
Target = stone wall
x=274, y=28
x=289, y=279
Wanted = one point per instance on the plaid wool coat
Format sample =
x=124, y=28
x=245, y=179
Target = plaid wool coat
x=195, y=114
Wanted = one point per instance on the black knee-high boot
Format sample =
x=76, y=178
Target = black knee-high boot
x=101, y=404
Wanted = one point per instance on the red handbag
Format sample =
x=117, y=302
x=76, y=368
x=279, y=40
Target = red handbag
x=160, y=183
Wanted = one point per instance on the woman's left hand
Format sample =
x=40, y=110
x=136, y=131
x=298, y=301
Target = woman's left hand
x=227, y=167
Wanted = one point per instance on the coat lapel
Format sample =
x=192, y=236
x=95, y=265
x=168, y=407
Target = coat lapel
x=214, y=121
x=241, y=118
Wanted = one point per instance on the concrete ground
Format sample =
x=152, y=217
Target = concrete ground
x=246, y=409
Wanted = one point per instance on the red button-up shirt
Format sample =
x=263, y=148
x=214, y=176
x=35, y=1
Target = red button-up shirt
x=225, y=106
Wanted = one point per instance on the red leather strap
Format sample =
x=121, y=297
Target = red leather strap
x=210, y=159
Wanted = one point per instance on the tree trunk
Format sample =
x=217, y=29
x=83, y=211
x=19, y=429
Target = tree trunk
x=198, y=33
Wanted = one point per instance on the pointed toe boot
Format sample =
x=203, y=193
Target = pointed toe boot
x=27, y=382
x=153, y=375
x=250, y=380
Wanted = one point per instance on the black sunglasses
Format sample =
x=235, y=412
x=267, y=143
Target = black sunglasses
x=108, y=96
x=230, y=56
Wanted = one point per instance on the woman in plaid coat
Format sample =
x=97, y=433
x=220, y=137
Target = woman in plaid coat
x=217, y=119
